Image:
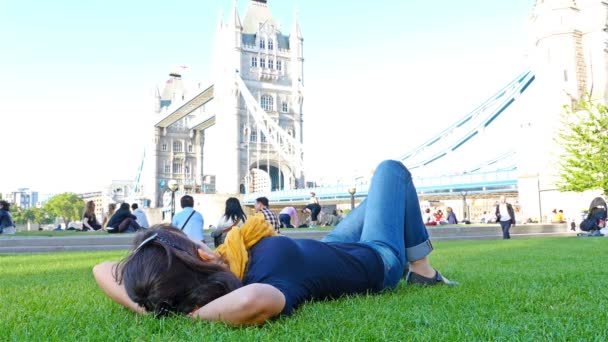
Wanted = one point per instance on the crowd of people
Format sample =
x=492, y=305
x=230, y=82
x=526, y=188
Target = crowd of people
x=438, y=218
x=130, y=218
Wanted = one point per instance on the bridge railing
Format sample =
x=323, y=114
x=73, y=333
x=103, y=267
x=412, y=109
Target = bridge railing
x=481, y=179
x=445, y=184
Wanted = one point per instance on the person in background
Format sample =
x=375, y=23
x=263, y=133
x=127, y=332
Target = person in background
x=142, y=220
x=451, y=216
x=7, y=224
x=558, y=217
x=189, y=220
x=89, y=219
x=123, y=221
x=312, y=209
x=108, y=215
x=439, y=217
x=427, y=218
x=233, y=217
x=313, y=198
x=506, y=216
x=286, y=215
x=333, y=219
x=261, y=205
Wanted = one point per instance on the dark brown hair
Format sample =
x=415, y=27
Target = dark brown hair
x=90, y=210
x=166, y=275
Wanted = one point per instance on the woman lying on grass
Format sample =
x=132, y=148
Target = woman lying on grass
x=257, y=275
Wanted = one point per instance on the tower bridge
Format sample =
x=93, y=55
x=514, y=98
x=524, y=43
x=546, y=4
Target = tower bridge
x=244, y=132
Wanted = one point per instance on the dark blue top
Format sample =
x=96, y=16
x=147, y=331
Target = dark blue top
x=307, y=269
x=6, y=219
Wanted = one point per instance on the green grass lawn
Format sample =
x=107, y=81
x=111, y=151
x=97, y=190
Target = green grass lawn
x=525, y=289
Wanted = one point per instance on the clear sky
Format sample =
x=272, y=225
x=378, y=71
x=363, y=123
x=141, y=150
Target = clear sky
x=77, y=77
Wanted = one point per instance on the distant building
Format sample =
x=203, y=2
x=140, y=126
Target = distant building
x=23, y=198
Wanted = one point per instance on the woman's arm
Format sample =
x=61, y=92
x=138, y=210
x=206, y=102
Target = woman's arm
x=249, y=305
x=85, y=223
x=105, y=279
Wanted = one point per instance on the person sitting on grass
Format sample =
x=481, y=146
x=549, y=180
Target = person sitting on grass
x=108, y=216
x=451, y=216
x=234, y=216
x=123, y=221
x=7, y=224
x=89, y=219
x=256, y=275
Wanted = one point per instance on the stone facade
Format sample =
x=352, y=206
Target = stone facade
x=228, y=153
x=568, y=56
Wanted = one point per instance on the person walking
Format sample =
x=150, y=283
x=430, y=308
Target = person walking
x=506, y=216
x=189, y=220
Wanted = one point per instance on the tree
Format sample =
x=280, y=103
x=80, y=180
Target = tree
x=584, y=138
x=41, y=216
x=68, y=206
x=18, y=214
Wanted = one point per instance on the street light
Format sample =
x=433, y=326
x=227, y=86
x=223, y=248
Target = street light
x=173, y=187
x=352, y=192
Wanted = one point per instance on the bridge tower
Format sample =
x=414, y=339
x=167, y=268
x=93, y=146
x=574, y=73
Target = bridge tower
x=569, y=57
x=270, y=63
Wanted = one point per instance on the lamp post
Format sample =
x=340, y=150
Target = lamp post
x=172, y=187
x=352, y=192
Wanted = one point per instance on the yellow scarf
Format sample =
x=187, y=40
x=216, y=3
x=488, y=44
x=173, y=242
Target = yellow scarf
x=239, y=240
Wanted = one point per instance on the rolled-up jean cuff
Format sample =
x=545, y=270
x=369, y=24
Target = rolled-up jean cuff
x=419, y=251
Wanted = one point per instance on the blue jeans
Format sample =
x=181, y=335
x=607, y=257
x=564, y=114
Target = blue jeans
x=389, y=221
x=505, y=226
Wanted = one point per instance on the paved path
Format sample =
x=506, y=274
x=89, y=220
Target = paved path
x=10, y=245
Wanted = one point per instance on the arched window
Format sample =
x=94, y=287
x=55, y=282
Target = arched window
x=279, y=65
x=267, y=103
x=177, y=146
x=270, y=44
x=270, y=64
x=262, y=44
x=284, y=107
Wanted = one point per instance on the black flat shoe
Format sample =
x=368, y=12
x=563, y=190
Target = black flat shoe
x=413, y=278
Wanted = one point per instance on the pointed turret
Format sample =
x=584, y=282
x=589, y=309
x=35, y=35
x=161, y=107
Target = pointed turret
x=296, y=31
x=157, y=100
x=235, y=20
x=220, y=20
